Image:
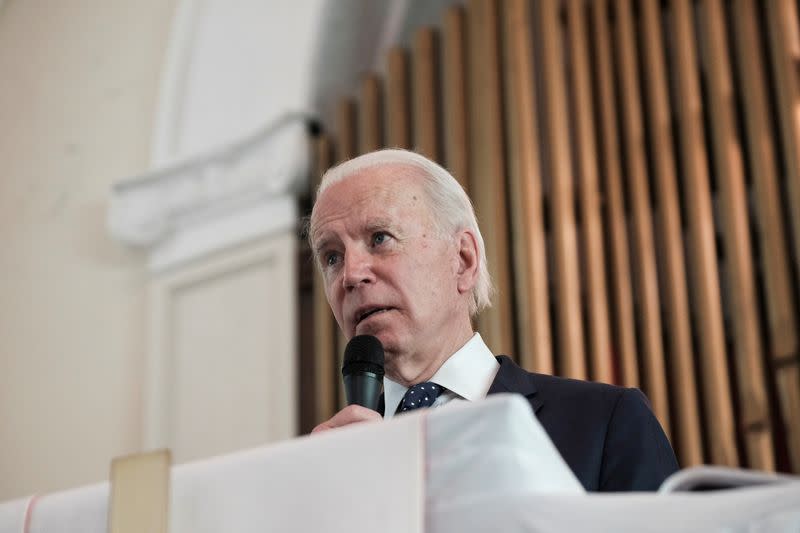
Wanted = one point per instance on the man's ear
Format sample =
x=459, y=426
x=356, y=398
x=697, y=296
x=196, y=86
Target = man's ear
x=468, y=260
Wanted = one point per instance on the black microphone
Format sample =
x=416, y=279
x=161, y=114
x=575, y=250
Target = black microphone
x=362, y=371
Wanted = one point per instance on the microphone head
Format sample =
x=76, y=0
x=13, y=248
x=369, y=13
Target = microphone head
x=364, y=353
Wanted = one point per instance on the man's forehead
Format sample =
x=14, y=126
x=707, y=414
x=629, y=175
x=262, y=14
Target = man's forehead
x=371, y=193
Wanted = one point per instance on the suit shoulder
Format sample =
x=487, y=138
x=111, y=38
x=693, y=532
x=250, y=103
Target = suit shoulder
x=546, y=382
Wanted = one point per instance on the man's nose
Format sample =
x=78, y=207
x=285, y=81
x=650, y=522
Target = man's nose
x=357, y=268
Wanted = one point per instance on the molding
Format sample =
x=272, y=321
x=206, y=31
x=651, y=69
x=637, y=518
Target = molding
x=247, y=223
x=168, y=208
x=173, y=81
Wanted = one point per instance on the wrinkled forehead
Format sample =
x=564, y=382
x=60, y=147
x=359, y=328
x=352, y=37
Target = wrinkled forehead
x=390, y=186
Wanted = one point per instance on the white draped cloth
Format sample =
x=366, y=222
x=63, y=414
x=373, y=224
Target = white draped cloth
x=482, y=466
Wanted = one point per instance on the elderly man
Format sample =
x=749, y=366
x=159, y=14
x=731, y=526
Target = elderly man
x=402, y=258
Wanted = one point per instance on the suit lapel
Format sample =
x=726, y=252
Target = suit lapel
x=511, y=378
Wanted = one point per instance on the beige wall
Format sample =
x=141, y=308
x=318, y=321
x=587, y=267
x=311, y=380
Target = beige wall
x=77, y=99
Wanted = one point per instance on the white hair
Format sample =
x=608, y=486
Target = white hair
x=449, y=204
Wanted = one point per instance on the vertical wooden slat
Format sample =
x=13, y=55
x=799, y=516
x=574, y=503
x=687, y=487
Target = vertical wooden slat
x=424, y=91
x=398, y=117
x=623, y=318
x=764, y=169
x=645, y=271
x=687, y=436
x=370, y=123
x=702, y=257
x=599, y=337
x=741, y=293
x=325, y=371
x=345, y=130
x=784, y=42
x=487, y=182
x=454, y=89
x=346, y=149
x=781, y=306
x=559, y=169
x=530, y=253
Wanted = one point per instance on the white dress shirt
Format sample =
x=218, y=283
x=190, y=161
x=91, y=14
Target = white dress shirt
x=467, y=375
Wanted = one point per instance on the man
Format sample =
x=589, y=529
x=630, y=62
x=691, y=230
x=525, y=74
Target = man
x=402, y=258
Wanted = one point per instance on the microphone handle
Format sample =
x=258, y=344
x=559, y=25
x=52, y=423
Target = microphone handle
x=363, y=388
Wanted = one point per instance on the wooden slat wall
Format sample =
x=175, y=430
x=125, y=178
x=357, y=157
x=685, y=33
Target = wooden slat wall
x=370, y=116
x=425, y=92
x=532, y=305
x=398, y=116
x=566, y=261
x=454, y=86
x=740, y=287
x=487, y=182
x=784, y=45
x=686, y=436
x=784, y=40
x=587, y=171
x=644, y=252
x=635, y=168
x=702, y=247
x=618, y=255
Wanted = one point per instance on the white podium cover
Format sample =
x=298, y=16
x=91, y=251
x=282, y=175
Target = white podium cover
x=765, y=509
x=486, y=466
x=12, y=515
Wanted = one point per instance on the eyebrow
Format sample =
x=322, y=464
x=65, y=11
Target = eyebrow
x=377, y=224
x=374, y=224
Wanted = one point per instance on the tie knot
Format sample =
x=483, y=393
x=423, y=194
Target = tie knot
x=419, y=395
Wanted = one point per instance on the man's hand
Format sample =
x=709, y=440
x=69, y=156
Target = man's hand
x=349, y=415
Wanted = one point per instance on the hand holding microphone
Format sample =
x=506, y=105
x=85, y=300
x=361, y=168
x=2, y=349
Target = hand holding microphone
x=362, y=373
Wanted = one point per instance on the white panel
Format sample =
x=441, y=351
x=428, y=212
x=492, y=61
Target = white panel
x=221, y=374
x=234, y=65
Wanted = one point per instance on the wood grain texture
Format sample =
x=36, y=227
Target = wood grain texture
x=566, y=260
x=686, y=435
x=398, y=109
x=454, y=90
x=532, y=310
x=587, y=174
x=370, y=116
x=487, y=170
x=742, y=300
x=425, y=93
x=703, y=269
x=784, y=48
x=623, y=318
x=644, y=250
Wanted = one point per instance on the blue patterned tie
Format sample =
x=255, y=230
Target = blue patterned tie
x=420, y=395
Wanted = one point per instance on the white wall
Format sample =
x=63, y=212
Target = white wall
x=77, y=99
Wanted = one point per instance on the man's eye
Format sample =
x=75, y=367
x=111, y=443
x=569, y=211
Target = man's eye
x=380, y=238
x=331, y=258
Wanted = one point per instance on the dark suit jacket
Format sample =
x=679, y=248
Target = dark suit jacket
x=608, y=435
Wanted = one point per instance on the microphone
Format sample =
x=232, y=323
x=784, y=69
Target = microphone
x=362, y=371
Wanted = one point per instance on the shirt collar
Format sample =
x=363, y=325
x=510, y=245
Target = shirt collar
x=468, y=373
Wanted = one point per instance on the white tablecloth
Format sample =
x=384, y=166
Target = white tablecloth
x=485, y=466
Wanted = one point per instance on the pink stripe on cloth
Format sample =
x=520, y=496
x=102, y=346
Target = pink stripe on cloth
x=28, y=513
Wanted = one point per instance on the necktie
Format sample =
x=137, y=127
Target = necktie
x=419, y=395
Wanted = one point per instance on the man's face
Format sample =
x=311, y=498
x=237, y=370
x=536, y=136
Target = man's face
x=387, y=269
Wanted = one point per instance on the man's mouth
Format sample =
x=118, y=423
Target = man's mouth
x=371, y=311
